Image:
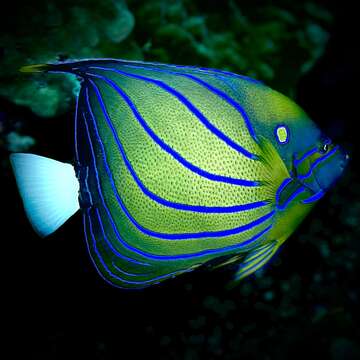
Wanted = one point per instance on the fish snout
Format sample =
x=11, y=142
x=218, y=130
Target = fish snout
x=331, y=169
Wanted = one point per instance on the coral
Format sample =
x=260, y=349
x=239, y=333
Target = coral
x=49, y=31
x=17, y=142
x=274, y=43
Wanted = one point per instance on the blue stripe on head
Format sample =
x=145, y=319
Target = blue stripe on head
x=280, y=189
x=305, y=156
x=314, y=197
x=317, y=162
x=296, y=193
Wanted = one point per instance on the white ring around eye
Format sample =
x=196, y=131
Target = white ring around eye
x=282, y=134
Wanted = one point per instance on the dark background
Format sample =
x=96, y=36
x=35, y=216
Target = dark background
x=304, y=305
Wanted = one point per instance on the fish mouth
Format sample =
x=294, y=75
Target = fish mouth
x=318, y=179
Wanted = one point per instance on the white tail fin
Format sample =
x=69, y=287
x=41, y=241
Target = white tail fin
x=49, y=190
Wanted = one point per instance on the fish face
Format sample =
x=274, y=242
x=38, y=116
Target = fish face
x=319, y=167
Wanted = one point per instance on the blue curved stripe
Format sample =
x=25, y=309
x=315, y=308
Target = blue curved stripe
x=194, y=68
x=229, y=100
x=76, y=128
x=314, y=197
x=112, y=248
x=146, y=191
x=164, y=257
x=181, y=236
x=164, y=146
x=292, y=197
x=280, y=189
x=231, y=74
x=186, y=103
x=303, y=157
x=118, y=278
x=211, y=88
x=121, y=271
x=209, y=71
x=317, y=162
x=85, y=215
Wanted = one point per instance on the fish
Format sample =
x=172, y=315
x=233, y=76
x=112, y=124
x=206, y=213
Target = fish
x=176, y=167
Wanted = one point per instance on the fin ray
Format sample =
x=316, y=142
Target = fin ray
x=254, y=260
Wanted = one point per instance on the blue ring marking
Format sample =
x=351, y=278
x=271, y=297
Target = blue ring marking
x=211, y=88
x=111, y=274
x=303, y=157
x=287, y=133
x=164, y=257
x=292, y=197
x=151, y=195
x=317, y=162
x=280, y=189
x=190, y=107
x=166, y=147
x=314, y=197
x=112, y=248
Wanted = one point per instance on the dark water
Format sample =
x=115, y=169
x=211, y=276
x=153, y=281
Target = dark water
x=304, y=305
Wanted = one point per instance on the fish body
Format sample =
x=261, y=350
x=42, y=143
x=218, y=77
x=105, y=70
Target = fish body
x=178, y=166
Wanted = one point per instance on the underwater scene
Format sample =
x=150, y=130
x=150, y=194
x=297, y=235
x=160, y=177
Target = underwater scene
x=180, y=179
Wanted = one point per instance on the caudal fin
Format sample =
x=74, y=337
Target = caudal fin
x=49, y=190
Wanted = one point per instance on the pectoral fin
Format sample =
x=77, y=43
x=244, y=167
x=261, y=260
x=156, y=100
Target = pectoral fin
x=254, y=260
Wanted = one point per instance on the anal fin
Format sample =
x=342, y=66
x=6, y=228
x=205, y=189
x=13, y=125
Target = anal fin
x=254, y=260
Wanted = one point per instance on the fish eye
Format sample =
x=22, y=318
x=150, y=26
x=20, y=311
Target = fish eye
x=323, y=149
x=282, y=134
x=324, y=145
